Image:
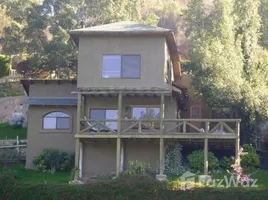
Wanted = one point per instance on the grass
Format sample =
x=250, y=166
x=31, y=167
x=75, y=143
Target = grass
x=35, y=177
x=8, y=132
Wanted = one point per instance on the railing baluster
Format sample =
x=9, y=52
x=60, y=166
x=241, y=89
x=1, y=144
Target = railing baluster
x=184, y=127
x=139, y=126
x=207, y=127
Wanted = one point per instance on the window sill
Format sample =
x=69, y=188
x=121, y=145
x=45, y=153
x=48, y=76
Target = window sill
x=55, y=131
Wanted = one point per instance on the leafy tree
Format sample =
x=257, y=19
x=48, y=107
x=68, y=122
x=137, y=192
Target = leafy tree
x=5, y=63
x=229, y=67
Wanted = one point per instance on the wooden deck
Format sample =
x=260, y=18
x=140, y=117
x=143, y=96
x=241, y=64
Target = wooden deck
x=170, y=128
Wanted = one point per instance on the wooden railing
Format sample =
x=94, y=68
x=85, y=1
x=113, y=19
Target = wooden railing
x=164, y=127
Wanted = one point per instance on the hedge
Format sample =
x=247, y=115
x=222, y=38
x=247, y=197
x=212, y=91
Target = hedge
x=126, y=188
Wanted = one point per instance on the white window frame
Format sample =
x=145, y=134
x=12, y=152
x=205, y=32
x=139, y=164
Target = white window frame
x=121, y=66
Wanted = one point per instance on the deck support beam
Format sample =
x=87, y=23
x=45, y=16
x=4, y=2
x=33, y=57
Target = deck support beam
x=77, y=143
x=237, y=141
x=118, y=156
x=81, y=161
x=206, y=156
x=161, y=175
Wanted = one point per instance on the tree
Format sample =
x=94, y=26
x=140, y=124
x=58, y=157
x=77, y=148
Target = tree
x=229, y=67
x=5, y=63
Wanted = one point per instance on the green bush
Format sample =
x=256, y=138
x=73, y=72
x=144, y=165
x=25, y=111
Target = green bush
x=136, y=168
x=251, y=159
x=225, y=163
x=54, y=160
x=134, y=188
x=196, y=160
x=5, y=63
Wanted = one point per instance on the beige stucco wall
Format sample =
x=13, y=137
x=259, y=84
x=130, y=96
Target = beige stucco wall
x=39, y=139
x=151, y=49
x=142, y=151
x=52, y=90
x=98, y=158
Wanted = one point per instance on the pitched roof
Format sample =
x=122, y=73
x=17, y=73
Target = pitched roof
x=120, y=27
x=135, y=29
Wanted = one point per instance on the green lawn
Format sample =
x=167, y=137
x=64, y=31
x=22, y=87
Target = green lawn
x=7, y=132
x=31, y=176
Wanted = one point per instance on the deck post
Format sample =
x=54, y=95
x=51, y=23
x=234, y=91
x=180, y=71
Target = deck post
x=237, y=140
x=118, y=156
x=119, y=113
x=162, y=113
x=206, y=156
x=81, y=160
x=161, y=175
x=77, y=142
x=161, y=170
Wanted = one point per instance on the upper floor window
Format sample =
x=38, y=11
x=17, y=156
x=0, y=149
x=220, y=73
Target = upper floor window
x=195, y=111
x=121, y=66
x=56, y=120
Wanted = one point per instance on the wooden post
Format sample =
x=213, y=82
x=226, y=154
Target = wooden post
x=161, y=167
x=81, y=160
x=162, y=113
x=122, y=157
x=119, y=114
x=206, y=156
x=77, y=143
x=237, y=140
x=184, y=126
x=207, y=127
x=118, y=156
x=18, y=143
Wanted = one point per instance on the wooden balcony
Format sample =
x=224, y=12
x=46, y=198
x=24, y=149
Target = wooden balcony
x=166, y=128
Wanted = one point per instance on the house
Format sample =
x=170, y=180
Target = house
x=130, y=100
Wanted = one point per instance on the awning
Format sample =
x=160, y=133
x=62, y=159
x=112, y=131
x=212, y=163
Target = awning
x=52, y=102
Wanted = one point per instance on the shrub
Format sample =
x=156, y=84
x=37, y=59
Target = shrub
x=173, y=160
x=136, y=168
x=54, y=160
x=251, y=159
x=5, y=63
x=16, y=120
x=196, y=160
x=135, y=187
x=225, y=163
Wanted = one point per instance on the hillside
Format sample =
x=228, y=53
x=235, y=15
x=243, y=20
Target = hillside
x=8, y=105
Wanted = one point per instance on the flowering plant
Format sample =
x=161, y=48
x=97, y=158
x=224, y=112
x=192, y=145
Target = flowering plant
x=238, y=170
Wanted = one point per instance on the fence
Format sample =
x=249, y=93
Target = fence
x=13, y=150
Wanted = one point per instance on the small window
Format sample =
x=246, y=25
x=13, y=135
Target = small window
x=57, y=121
x=196, y=111
x=121, y=66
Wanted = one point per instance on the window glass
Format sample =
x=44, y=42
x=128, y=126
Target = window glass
x=56, y=120
x=196, y=111
x=63, y=123
x=146, y=113
x=111, y=66
x=130, y=66
x=103, y=114
x=121, y=66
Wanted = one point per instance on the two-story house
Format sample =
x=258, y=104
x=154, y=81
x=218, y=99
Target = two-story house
x=129, y=101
